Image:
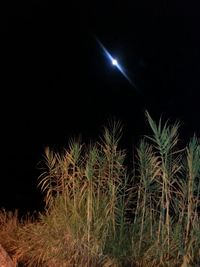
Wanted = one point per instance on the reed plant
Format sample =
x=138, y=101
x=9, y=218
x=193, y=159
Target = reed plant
x=85, y=195
x=97, y=213
x=166, y=214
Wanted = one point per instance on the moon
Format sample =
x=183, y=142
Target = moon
x=114, y=62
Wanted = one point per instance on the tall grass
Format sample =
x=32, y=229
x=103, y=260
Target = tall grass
x=98, y=214
x=85, y=196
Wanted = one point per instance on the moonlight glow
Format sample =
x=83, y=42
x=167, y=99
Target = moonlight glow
x=115, y=63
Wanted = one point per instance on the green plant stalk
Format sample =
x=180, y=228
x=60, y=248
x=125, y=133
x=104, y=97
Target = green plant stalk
x=167, y=216
x=142, y=223
x=189, y=207
x=138, y=204
x=160, y=223
x=197, y=201
x=151, y=218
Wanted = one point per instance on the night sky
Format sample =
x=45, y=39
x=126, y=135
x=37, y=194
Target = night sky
x=57, y=83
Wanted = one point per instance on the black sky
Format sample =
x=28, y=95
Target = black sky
x=56, y=83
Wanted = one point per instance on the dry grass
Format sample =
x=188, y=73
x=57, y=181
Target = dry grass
x=9, y=226
x=97, y=214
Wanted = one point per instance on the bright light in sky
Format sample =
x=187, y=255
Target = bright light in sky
x=114, y=62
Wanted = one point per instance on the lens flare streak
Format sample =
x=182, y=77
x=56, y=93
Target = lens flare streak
x=115, y=63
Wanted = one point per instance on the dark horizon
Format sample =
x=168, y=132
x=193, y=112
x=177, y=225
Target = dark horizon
x=56, y=82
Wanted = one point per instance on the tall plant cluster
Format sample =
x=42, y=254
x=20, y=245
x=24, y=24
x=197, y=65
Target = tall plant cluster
x=166, y=218
x=84, y=190
x=97, y=213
